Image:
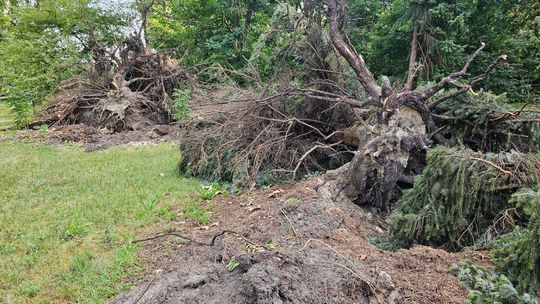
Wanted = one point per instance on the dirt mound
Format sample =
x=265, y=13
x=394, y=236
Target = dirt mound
x=73, y=133
x=290, y=244
x=91, y=138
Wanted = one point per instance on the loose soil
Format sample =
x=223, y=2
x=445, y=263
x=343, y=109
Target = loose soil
x=291, y=243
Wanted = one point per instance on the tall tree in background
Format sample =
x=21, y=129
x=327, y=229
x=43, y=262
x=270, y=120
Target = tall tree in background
x=220, y=31
x=424, y=31
x=447, y=31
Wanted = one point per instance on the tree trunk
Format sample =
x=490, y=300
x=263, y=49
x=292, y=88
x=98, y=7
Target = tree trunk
x=354, y=59
x=247, y=24
x=412, y=59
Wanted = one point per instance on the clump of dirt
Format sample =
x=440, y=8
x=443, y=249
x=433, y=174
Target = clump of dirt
x=290, y=244
x=73, y=133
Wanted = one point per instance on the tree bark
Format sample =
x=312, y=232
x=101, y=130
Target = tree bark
x=412, y=59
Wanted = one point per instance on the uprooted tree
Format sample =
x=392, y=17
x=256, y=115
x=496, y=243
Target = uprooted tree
x=128, y=87
x=381, y=133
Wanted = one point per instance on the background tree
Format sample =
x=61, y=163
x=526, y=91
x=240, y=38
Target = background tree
x=217, y=31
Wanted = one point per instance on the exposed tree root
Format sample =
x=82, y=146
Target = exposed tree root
x=127, y=91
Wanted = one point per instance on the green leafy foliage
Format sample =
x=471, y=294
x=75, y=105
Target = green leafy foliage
x=517, y=254
x=181, y=109
x=46, y=60
x=449, y=30
x=217, y=31
x=441, y=25
x=487, y=286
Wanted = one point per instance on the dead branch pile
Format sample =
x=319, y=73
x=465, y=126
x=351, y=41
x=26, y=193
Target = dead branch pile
x=278, y=130
x=120, y=94
x=261, y=142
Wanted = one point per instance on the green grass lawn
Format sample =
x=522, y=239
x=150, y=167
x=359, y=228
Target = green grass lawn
x=66, y=217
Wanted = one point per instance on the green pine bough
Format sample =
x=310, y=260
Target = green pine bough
x=470, y=199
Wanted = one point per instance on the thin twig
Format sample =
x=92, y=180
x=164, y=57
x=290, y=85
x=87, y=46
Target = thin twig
x=493, y=165
x=309, y=152
x=144, y=291
x=176, y=234
x=290, y=223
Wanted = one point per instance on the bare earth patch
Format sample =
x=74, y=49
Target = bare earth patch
x=291, y=243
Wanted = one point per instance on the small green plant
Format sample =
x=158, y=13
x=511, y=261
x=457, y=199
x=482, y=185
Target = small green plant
x=42, y=129
x=76, y=227
x=387, y=243
x=28, y=289
x=252, y=248
x=193, y=210
x=312, y=174
x=149, y=208
x=166, y=214
x=232, y=264
x=210, y=192
x=292, y=201
x=272, y=245
x=180, y=105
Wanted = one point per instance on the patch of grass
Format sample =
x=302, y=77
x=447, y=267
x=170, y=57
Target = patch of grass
x=6, y=118
x=66, y=217
x=193, y=210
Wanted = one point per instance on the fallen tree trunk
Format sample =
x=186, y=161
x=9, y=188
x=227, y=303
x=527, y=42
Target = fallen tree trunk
x=405, y=130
